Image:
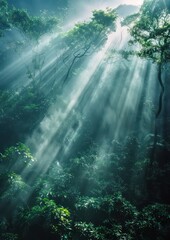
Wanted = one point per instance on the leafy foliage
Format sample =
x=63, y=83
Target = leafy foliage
x=46, y=219
x=93, y=195
x=153, y=222
x=9, y=236
x=94, y=32
x=33, y=27
x=4, y=21
x=16, y=158
x=93, y=214
x=14, y=190
x=26, y=107
x=151, y=31
x=129, y=19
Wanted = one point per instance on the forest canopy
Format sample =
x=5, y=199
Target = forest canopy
x=31, y=26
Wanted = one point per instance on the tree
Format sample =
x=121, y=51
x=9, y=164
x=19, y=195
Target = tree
x=46, y=220
x=152, y=32
x=92, y=32
x=86, y=37
x=4, y=22
x=32, y=26
x=16, y=159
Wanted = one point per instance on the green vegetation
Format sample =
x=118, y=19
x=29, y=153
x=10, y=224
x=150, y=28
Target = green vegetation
x=32, y=26
x=152, y=32
x=129, y=19
x=84, y=199
x=98, y=192
x=27, y=107
x=93, y=33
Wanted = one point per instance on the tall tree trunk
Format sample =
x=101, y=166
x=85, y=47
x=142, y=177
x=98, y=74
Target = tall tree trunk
x=162, y=90
x=158, y=111
x=160, y=104
x=153, y=155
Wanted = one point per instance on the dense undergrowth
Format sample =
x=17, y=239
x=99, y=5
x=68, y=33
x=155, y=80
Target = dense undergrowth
x=90, y=197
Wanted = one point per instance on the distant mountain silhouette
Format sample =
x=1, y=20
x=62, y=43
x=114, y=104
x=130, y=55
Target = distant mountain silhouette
x=126, y=10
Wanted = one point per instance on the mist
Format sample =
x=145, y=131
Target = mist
x=85, y=121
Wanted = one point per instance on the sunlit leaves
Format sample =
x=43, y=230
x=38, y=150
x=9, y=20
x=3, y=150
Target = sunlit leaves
x=12, y=187
x=87, y=230
x=93, y=216
x=106, y=19
x=94, y=32
x=87, y=203
x=54, y=219
x=123, y=220
x=16, y=158
x=152, y=32
x=113, y=213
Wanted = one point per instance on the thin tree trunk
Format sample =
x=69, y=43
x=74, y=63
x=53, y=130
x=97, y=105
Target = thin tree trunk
x=162, y=90
x=150, y=170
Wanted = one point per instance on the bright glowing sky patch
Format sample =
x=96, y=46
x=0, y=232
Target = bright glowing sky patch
x=133, y=2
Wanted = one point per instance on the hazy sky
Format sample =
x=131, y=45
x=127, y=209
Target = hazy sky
x=134, y=2
x=77, y=9
x=40, y=4
x=80, y=4
x=112, y=3
x=82, y=9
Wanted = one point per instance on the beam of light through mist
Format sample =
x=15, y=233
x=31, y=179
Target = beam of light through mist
x=84, y=113
x=53, y=123
x=108, y=94
x=16, y=70
x=56, y=135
